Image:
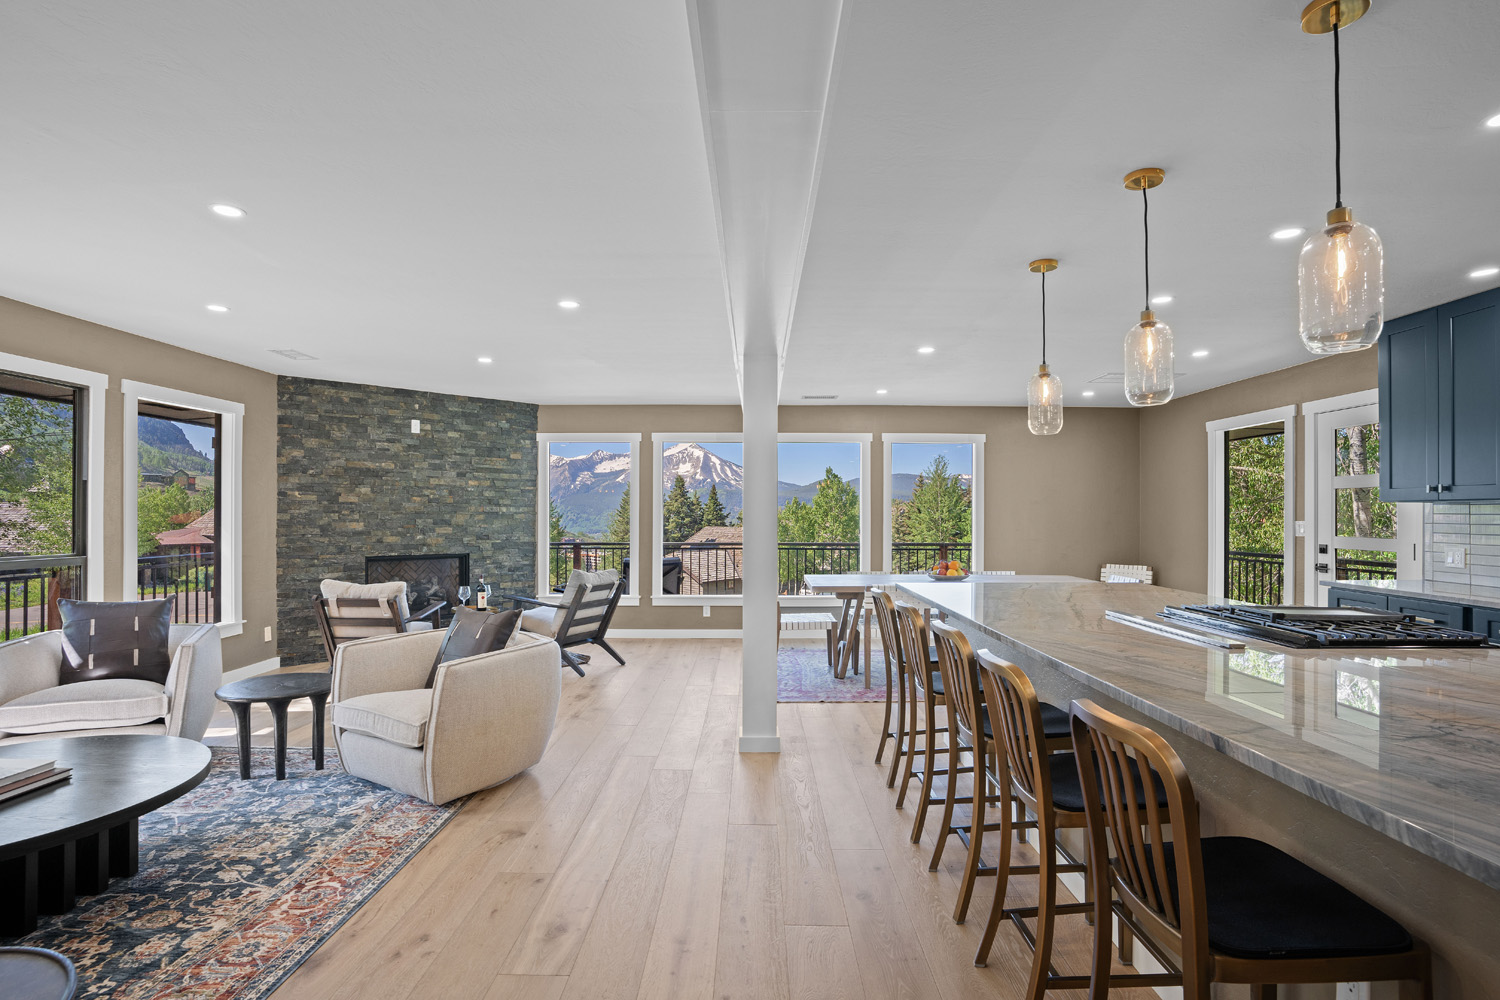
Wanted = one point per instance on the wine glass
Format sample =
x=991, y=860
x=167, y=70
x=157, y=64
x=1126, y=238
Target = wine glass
x=463, y=594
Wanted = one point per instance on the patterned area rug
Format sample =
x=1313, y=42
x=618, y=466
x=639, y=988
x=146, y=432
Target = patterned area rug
x=240, y=881
x=802, y=674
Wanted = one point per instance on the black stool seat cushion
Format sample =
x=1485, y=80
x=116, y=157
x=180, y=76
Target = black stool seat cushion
x=1067, y=786
x=935, y=679
x=1055, y=722
x=1264, y=903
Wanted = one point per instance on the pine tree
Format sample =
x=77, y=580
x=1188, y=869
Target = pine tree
x=681, y=512
x=618, y=529
x=939, y=511
x=714, y=514
x=555, y=519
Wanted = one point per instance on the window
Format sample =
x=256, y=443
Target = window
x=1252, y=466
x=934, y=488
x=182, y=490
x=50, y=472
x=585, y=515
x=823, y=506
x=699, y=522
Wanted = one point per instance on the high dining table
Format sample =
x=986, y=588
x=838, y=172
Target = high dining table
x=853, y=588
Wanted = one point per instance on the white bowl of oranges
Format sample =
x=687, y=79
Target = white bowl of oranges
x=948, y=569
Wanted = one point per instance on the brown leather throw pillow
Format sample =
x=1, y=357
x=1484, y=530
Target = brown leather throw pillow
x=103, y=640
x=473, y=632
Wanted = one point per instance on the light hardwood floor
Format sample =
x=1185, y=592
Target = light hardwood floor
x=644, y=857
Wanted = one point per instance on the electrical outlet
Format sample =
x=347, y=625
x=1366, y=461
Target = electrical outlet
x=268, y=633
x=1457, y=556
x=706, y=609
x=1352, y=991
x=416, y=426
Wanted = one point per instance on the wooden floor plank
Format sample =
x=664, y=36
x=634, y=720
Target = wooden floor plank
x=713, y=768
x=821, y=964
x=679, y=745
x=810, y=887
x=613, y=953
x=551, y=938
x=681, y=958
x=472, y=948
x=752, y=790
x=751, y=962
x=890, y=959
x=844, y=809
x=520, y=988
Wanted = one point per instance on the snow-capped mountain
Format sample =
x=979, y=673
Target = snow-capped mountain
x=701, y=469
x=587, y=489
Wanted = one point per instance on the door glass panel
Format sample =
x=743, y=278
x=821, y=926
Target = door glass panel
x=1360, y=513
x=1254, y=502
x=1356, y=450
x=1364, y=564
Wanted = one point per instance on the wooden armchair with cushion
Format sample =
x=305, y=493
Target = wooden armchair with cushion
x=582, y=615
x=359, y=610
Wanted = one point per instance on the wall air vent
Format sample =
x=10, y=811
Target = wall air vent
x=295, y=355
x=821, y=397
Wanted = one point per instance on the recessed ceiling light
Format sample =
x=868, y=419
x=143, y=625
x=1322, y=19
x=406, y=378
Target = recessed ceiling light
x=1161, y=300
x=1494, y=122
x=484, y=361
x=214, y=307
x=926, y=350
x=1088, y=392
x=1485, y=272
x=1200, y=354
x=567, y=304
x=881, y=392
x=228, y=211
x=1289, y=233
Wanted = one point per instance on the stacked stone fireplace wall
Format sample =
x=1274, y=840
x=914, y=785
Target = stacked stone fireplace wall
x=354, y=481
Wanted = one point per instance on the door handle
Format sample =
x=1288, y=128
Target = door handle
x=1321, y=567
x=1432, y=489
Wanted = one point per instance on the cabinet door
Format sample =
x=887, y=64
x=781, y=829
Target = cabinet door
x=1449, y=615
x=1409, y=408
x=1486, y=621
x=1469, y=398
x=1356, y=599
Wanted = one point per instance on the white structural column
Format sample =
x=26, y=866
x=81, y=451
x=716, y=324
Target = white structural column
x=765, y=69
x=759, y=398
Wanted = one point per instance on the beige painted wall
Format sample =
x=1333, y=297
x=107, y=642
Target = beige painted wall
x=1052, y=505
x=1174, y=459
x=47, y=336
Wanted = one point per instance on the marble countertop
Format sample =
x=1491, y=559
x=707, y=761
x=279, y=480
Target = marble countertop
x=820, y=583
x=1423, y=590
x=1406, y=741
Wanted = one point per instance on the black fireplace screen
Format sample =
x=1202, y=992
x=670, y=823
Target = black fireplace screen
x=428, y=578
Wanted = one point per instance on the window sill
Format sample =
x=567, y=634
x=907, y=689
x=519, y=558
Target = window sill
x=228, y=630
x=697, y=600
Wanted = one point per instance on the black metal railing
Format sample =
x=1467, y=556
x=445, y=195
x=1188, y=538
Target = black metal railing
x=31, y=589
x=566, y=556
x=190, y=579
x=1254, y=577
x=1364, y=569
x=915, y=557
x=795, y=560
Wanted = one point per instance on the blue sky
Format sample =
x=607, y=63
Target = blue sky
x=199, y=437
x=804, y=463
x=916, y=456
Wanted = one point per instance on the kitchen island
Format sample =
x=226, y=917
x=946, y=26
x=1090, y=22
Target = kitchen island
x=1379, y=766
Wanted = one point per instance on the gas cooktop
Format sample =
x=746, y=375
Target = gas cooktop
x=1311, y=628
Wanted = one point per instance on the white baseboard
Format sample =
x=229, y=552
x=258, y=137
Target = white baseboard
x=674, y=633
x=760, y=744
x=252, y=670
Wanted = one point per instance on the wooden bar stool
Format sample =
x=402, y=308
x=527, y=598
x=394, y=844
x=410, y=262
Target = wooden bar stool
x=895, y=681
x=968, y=732
x=1235, y=910
x=924, y=688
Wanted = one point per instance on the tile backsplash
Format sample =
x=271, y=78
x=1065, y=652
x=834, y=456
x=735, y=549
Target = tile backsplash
x=1474, y=528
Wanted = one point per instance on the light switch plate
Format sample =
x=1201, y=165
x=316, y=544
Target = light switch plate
x=1301, y=529
x=706, y=609
x=268, y=633
x=1457, y=557
x=416, y=426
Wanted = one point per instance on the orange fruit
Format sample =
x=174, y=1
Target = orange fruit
x=955, y=572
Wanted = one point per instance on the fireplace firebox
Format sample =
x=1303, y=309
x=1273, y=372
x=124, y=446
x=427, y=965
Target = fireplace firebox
x=429, y=578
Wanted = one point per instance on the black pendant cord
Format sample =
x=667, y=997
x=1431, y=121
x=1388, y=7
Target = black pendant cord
x=1338, y=132
x=1044, y=318
x=1146, y=228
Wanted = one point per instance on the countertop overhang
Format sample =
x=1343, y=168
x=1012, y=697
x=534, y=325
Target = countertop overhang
x=1406, y=741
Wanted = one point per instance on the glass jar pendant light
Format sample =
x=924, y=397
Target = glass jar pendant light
x=1044, y=395
x=1149, y=359
x=1341, y=270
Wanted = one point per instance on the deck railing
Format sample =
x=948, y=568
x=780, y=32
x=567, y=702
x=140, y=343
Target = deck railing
x=1254, y=577
x=1364, y=569
x=31, y=589
x=190, y=579
x=714, y=568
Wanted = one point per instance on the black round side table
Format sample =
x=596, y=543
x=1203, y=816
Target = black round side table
x=277, y=691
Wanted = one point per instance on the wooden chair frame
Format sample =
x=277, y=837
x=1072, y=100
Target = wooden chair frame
x=923, y=703
x=1110, y=743
x=601, y=597
x=391, y=616
x=895, y=681
x=965, y=700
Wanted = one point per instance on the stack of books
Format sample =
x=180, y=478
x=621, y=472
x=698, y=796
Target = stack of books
x=18, y=776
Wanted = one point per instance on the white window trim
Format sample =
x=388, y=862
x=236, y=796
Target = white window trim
x=658, y=499
x=1217, y=528
x=97, y=384
x=544, y=440
x=977, y=501
x=229, y=463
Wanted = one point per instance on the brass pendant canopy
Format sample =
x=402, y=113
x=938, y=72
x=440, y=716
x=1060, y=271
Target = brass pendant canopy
x=1042, y=265
x=1319, y=17
x=1146, y=177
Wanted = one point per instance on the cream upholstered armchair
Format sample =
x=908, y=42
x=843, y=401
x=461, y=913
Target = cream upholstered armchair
x=33, y=706
x=483, y=720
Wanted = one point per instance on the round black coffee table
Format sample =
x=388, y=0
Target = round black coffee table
x=277, y=691
x=68, y=839
x=37, y=974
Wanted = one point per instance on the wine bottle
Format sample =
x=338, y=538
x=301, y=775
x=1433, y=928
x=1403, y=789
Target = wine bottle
x=482, y=595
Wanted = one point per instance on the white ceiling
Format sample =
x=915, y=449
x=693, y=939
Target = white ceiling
x=424, y=182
